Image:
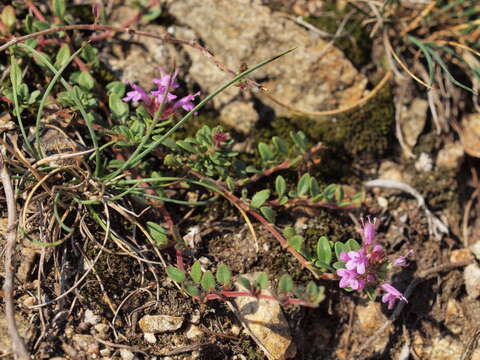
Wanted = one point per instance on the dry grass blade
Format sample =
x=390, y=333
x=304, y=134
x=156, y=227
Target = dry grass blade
x=18, y=346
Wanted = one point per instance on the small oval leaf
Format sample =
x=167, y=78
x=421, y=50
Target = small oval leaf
x=303, y=184
x=324, y=250
x=285, y=285
x=259, y=198
x=269, y=214
x=224, y=275
x=280, y=186
x=175, y=274
x=196, y=272
x=208, y=281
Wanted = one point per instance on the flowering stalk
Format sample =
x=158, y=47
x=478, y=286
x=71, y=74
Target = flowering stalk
x=366, y=268
x=162, y=95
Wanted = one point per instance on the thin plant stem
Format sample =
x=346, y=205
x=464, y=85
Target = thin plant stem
x=18, y=346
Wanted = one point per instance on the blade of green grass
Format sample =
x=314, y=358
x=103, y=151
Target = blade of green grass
x=44, y=98
x=14, y=80
x=428, y=57
x=68, y=87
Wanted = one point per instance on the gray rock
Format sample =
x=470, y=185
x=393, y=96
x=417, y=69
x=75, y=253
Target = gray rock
x=471, y=134
x=193, y=332
x=265, y=322
x=160, y=323
x=412, y=120
x=471, y=276
x=23, y=327
x=451, y=156
x=313, y=77
x=126, y=354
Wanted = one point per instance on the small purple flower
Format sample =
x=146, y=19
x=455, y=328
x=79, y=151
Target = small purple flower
x=391, y=295
x=368, y=232
x=401, y=260
x=186, y=103
x=349, y=278
x=160, y=93
x=358, y=261
x=137, y=94
x=219, y=138
x=377, y=254
x=165, y=81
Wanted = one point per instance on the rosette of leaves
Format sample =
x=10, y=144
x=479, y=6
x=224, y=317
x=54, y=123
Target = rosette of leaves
x=203, y=155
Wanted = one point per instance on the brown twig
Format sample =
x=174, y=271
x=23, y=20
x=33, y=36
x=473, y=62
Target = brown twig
x=18, y=346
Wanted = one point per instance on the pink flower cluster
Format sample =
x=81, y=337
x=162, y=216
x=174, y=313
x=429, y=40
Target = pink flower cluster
x=366, y=267
x=165, y=84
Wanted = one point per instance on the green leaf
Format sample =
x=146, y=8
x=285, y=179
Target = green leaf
x=262, y=280
x=265, y=151
x=158, y=233
x=280, y=186
x=192, y=290
x=303, y=184
x=116, y=87
x=285, y=285
x=352, y=244
x=296, y=242
x=245, y=283
x=314, y=187
x=85, y=80
x=339, y=194
x=300, y=140
x=186, y=146
x=288, y=232
x=339, y=248
x=89, y=54
x=175, y=274
x=40, y=25
x=370, y=293
x=280, y=145
x=324, y=250
x=428, y=57
x=62, y=56
x=152, y=14
x=259, y=198
x=315, y=294
x=312, y=291
x=224, y=275
x=117, y=105
x=339, y=265
x=230, y=183
x=59, y=8
x=208, y=281
x=33, y=97
x=269, y=214
x=444, y=67
x=196, y=272
x=8, y=16
x=329, y=192
x=283, y=200
x=15, y=74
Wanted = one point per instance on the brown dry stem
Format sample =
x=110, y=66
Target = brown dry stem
x=18, y=346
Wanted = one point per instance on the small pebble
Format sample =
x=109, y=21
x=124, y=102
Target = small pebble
x=160, y=323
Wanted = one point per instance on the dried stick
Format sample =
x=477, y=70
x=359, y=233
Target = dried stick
x=18, y=346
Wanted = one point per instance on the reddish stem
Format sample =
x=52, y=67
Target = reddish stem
x=232, y=294
x=38, y=14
